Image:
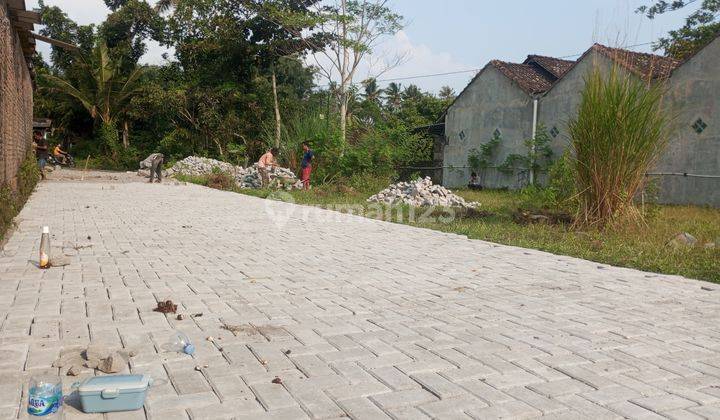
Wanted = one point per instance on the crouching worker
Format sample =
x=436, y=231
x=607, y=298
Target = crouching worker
x=267, y=161
x=474, y=183
x=154, y=162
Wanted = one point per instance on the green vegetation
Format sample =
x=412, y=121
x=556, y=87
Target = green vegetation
x=12, y=201
x=231, y=93
x=701, y=26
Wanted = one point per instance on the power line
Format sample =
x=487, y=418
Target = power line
x=425, y=76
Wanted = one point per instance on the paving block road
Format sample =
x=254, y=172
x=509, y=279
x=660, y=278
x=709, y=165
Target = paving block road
x=299, y=312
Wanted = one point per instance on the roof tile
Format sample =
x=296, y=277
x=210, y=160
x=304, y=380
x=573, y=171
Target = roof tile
x=555, y=66
x=528, y=77
x=649, y=66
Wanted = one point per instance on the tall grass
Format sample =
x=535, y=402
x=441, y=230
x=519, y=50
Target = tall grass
x=620, y=131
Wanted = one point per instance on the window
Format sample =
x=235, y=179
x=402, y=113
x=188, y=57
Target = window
x=462, y=135
x=699, y=126
x=554, y=131
x=497, y=133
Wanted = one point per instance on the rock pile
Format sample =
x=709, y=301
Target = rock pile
x=197, y=166
x=421, y=192
x=74, y=360
x=245, y=177
x=279, y=178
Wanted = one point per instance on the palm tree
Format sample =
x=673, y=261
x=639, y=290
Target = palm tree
x=411, y=93
x=163, y=6
x=393, y=95
x=447, y=93
x=372, y=93
x=102, y=89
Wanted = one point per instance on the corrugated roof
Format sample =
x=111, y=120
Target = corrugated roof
x=528, y=77
x=555, y=66
x=648, y=66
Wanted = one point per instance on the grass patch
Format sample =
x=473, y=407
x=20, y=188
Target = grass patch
x=640, y=247
x=12, y=201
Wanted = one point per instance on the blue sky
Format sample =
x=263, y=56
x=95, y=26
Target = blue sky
x=465, y=34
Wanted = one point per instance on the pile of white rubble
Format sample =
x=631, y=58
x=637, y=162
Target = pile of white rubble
x=197, y=166
x=419, y=193
x=245, y=177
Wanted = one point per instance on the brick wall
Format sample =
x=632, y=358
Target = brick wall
x=16, y=102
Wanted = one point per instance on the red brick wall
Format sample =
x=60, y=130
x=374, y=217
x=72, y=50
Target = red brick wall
x=16, y=102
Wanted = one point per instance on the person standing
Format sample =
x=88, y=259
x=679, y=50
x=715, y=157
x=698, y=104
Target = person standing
x=41, y=151
x=266, y=162
x=306, y=165
x=155, y=163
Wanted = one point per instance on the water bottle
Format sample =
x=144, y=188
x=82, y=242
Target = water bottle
x=45, y=248
x=179, y=342
x=44, y=396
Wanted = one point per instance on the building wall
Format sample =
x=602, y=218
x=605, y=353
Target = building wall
x=694, y=93
x=16, y=102
x=491, y=102
x=560, y=104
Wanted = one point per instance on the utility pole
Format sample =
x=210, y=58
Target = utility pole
x=344, y=75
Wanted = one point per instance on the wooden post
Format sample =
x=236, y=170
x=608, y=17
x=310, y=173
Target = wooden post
x=87, y=161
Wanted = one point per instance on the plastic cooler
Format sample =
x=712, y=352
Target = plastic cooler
x=102, y=394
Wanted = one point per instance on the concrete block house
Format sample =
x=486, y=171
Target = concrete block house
x=547, y=92
x=500, y=101
x=17, y=47
x=694, y=92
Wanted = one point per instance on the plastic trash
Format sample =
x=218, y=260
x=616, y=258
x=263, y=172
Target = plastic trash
x=45, y=248
x=44, y=396
x=179, y=342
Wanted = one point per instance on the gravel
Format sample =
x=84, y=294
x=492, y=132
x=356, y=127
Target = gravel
x=418, y=193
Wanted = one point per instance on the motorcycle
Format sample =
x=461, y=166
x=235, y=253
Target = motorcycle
x=69, y=161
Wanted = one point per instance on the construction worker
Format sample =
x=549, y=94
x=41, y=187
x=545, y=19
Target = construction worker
x=155, y=163
x=306, y=165
x=266, y=162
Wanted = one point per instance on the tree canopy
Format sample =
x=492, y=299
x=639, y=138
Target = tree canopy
x=700, y=27
x=235, y=67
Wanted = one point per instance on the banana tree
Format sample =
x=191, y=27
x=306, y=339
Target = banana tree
x=103, y=90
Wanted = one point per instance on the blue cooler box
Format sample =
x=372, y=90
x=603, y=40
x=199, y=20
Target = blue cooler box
x=102, y=394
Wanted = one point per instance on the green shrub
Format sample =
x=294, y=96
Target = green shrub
x=11, y=202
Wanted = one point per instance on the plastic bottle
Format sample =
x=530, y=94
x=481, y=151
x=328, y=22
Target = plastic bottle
x=45, y=248
x=179, y=342
x=45, y=397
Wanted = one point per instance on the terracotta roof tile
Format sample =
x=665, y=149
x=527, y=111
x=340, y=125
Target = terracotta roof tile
x=649, y=66
x=555, y=66
x=528, y=77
